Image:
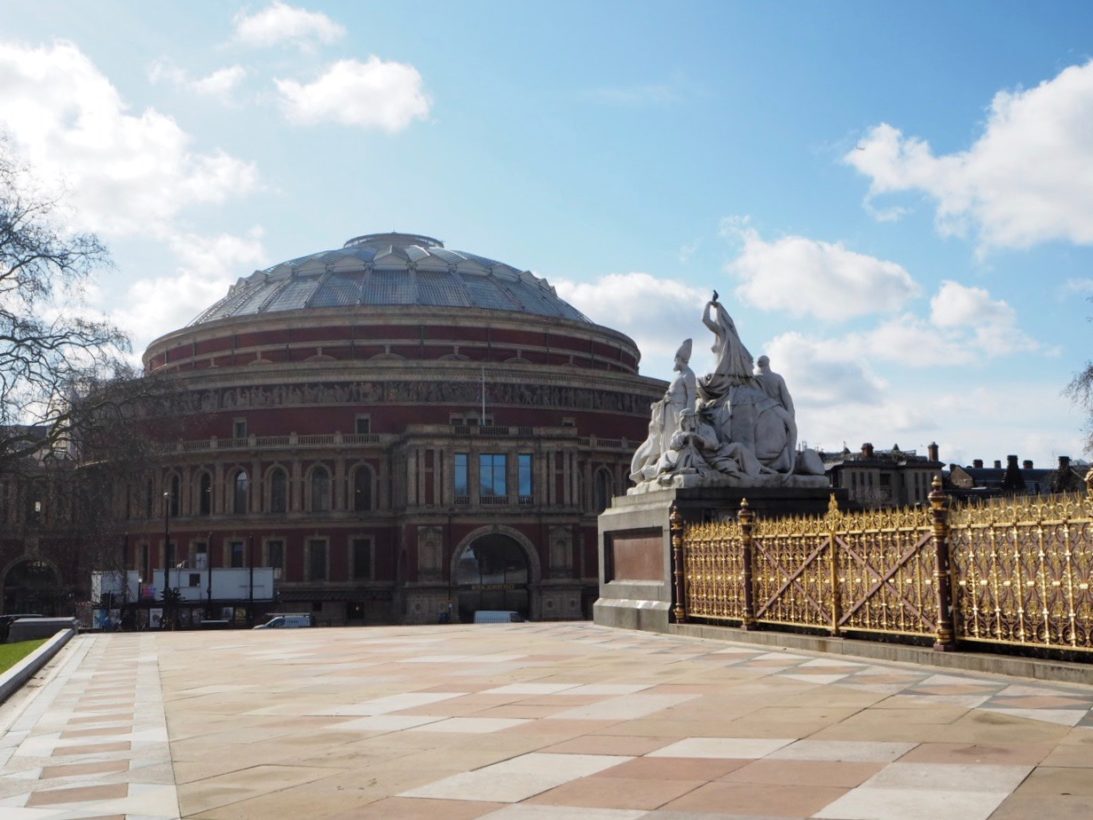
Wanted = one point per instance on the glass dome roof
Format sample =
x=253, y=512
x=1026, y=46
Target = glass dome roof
x=387, y=269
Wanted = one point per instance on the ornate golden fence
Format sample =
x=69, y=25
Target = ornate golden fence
x=1021, y=571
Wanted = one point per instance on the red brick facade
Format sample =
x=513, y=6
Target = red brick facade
x=330, y=439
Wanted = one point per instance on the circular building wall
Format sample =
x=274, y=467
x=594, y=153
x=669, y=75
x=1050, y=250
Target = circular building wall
x=351, y=416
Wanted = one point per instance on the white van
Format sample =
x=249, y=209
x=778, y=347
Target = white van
x=289, y=620
x=497, y=616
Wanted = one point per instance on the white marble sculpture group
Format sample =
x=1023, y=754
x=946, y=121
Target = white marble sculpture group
x=734, y=427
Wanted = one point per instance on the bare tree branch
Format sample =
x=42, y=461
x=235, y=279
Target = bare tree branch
x=48, y=355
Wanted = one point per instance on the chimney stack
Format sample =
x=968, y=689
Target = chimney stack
x=978, y=464
x=998, y=464
x=1026, y=464
x=1013, y=482
x=867, y=450
x=933, y=452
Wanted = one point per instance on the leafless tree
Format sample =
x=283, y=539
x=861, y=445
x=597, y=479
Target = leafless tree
x=1081, y=391
x=75, y=416
x=48, y=353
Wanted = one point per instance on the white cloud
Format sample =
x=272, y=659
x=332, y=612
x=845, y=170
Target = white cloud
x=1028, y=179
x=124, y=173
x=823, y=372
x=207, y=266
x=166, y=71
x=281, y=23
x=992, y=322
x=220, y=85
x=658, y=314
x=840, y=398
x=909, y=340
x=965, y=327
x=803, y=276
x=1083, y=286
x=687, y=250
x=1028, y=418
x=373, y=94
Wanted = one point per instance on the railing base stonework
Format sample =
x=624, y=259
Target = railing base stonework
x=1044, y=669
x=635, y=544
x=1014, y=574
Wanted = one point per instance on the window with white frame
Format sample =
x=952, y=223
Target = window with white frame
x=491, y=475
x=240, y=491
x=237, y=551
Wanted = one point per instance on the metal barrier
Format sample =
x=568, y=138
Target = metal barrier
x=1012, y=571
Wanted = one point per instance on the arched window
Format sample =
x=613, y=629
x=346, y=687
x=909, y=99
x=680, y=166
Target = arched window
x=176, y=495
x=602, y=490
x=240, y=490
x=362, y=489
x=320, y=490
x=204, y=494
x=149, y=499
x=278, y=491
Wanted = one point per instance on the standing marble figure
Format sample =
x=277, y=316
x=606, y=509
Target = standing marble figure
x=733, y=364
x=664, y=420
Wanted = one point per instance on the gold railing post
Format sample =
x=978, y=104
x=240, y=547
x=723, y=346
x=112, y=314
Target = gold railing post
x=747, y=525
x=943, y=580
x=832, y=519
x=675, y=527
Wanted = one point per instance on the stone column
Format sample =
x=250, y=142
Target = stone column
x=339, y=491
x=218, y=489
x=295, y=485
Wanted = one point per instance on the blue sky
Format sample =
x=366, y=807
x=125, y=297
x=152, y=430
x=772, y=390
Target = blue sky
x=894, y=201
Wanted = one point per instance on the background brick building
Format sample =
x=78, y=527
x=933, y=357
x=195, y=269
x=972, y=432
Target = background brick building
x=405, y=432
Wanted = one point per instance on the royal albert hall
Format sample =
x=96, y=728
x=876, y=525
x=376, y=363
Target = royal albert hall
x=405, y=432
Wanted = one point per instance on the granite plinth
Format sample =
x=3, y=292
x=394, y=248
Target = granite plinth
x=635, y=550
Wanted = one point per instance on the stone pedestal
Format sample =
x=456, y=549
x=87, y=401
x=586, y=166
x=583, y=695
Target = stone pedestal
x=635, y=551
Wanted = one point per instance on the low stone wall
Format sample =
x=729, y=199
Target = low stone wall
x=31, y=629
x=13, y=679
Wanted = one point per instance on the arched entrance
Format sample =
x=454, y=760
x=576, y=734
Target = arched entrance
x=492, y=572
x=32, y=587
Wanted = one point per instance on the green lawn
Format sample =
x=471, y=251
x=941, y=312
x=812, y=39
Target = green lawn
x=12, y=653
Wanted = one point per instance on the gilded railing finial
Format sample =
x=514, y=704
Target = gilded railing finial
x=746, y=517
x=1089, y=484
x=675, y=530
x=937, y=493
x=833, y=505
x=939, y=514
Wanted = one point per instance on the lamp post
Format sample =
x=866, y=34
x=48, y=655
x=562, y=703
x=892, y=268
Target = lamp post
x=167, y=554
x=250, y=563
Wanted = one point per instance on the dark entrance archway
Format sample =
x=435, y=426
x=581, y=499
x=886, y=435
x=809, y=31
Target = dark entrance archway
x=492, y=573
x=32, y=587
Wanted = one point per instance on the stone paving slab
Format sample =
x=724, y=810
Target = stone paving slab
x=529, y=722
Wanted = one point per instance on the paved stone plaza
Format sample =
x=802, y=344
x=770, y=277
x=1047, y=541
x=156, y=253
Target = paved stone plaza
x=528, y=721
